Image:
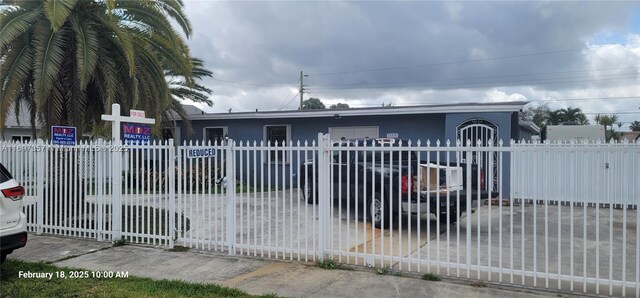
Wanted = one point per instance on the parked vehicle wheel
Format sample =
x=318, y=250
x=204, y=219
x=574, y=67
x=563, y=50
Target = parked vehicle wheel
x=307, y=192
x=379, y=207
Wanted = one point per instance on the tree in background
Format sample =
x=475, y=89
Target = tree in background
x=608, y=121
x=339, y=106
x=536, y=114
x=553, y=117
x=313, y=104
x=634, y=126
x=69, y=60
x=574, y=115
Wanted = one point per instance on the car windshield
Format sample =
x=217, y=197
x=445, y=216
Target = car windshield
x=4, y=174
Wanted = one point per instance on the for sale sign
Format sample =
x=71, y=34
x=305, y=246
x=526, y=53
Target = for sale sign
x=136, y=133
x=63, y=135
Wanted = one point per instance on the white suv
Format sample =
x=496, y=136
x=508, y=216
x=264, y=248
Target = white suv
x=13, y=222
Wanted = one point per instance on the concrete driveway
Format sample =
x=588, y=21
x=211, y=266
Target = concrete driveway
x=530, y=240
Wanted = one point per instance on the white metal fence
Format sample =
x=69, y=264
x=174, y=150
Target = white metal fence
x=576, y=172
x=548, y=222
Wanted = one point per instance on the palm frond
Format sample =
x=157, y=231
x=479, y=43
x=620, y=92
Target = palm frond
x=148, y=18
x=49, y=53
x=107, y=77
x=122, y=39
x=15, y=70
x=199, y=94
x=52, y=109
x=175, y=10
x=199, y=71
x=111, y=5
x=15, y=22
x=87, y=47
x=57, y=11
x=175, y=59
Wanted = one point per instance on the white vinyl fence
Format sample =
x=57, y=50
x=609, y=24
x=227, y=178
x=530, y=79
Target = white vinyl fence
x=559, y=216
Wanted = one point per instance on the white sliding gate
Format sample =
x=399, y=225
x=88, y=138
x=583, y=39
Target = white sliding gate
x=559, y=216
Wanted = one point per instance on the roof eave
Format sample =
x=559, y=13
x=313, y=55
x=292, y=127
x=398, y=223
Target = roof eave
x=408, y=110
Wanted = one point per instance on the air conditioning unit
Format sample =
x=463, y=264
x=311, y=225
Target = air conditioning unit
x=450, y=177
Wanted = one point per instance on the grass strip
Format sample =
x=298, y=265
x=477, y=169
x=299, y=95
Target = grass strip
x=88, y=285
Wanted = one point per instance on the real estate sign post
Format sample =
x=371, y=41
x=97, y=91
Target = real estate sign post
x=116, y=170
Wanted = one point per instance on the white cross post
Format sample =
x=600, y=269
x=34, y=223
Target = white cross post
x=116, y=164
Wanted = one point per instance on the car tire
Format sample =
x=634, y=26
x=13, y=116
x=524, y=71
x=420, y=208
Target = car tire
x=377, y=208
x=307, y=192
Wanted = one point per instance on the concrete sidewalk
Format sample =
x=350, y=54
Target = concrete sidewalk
x=253, y=275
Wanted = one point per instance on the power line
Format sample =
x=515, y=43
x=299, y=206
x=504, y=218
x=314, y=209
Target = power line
x=590, y=98
x=333, y=86
x=479, y=85
x=492, y=82
x=252, y=84
x=456, y=62
x=290, y=100
x=533, y=100
x=619, y=113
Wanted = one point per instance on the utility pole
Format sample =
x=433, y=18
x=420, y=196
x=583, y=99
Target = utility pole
x=302, y=76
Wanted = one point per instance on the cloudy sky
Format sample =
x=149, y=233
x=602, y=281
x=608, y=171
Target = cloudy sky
x=364, y=53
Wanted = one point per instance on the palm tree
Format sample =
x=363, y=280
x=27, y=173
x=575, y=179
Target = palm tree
x=554, y=117
x=607, y=121
x=76, y=58
x=574, y=115
x=634, y=126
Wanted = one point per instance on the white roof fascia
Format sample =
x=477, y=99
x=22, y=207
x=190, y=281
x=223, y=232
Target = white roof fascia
x=436, y=109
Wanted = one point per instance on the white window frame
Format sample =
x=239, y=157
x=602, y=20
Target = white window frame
x=377, y=128
x=205, y=138
x=21, y=137
x=288, y=140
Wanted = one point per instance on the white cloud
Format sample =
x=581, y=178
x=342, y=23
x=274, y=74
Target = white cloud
x=612, y=56
x=268, y=43
x=496, y=95
x=453, y=9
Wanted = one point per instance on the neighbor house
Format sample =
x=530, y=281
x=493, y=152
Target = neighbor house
x=18, y=127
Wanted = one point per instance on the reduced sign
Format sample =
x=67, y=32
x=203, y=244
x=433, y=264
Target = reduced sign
x=201, y=152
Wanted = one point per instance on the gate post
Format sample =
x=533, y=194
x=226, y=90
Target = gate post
x=172, y=192
x=100, y=178
x=116, y=190
x=41, y=150
x=230, y=175
x=324, y=203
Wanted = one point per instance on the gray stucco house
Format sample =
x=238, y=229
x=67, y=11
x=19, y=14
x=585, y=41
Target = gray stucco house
x=495, y=121
x=424, y=122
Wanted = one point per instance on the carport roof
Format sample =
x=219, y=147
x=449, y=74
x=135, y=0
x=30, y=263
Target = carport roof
x=474, y=107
